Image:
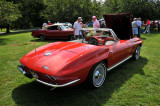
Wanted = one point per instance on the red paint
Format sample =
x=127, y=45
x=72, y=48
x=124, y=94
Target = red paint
x=56, y=34
x=70, y=60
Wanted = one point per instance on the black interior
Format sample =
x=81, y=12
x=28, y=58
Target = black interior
x=53, y=28
x=120, y=24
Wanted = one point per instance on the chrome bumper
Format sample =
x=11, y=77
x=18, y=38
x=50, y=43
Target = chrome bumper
x=21, y=70
x=45, y=83
x=51, y=85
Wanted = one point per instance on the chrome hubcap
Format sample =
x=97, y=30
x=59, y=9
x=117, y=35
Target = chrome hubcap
x=99, y=75
x=137, y=52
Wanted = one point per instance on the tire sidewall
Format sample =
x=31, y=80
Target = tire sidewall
x=71, y=37
x=135, y=54
x=42, y=37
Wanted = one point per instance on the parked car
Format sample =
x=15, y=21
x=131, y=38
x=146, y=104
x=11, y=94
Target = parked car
x=62, y=64
x=56, y=31
x=155, y=24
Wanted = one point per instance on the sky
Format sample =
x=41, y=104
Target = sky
x=102, y=0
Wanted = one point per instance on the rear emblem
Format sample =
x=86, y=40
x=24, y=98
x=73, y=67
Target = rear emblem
x=47, y=54
x=45, y=67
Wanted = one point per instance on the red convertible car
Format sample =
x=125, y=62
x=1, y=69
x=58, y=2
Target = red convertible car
x=56, y=31
x=62, y=64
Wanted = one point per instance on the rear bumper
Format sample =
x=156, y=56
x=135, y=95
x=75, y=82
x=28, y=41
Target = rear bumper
x=52, y=85
x=45, y=83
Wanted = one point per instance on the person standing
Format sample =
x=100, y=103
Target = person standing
x=49, y=23
x=135, y=27
x=139, y=23
x=77, y=27
x=148, y=27
x=44, y=25
x=96, y=23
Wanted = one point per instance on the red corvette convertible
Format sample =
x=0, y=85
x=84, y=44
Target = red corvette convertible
x=56, y=31
x=63, y=64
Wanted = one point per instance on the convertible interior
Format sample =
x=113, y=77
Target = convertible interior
x=98, y=36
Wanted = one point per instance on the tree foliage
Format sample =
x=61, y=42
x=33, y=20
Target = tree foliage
x=36, y=12
x=146, y=9
x=9, y=13
x=30, y=13
x=69, y=10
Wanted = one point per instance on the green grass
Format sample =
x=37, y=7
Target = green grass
x=132, y=83
x=3, y=30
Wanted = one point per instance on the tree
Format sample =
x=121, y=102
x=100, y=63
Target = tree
x=30, y=13
x=146, y=9
x=9, y=13
x=70, y=10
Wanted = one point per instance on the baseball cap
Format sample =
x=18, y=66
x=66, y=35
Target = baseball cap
x=94, y=17
x=80, y=18
x=135, y=19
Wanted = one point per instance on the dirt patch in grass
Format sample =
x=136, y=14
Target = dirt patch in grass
x=14, y=45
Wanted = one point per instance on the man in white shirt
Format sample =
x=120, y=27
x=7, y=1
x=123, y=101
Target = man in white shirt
x=77, y=27
x=96, y=23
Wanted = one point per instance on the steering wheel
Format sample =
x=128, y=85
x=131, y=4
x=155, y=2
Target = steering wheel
x=93, y=41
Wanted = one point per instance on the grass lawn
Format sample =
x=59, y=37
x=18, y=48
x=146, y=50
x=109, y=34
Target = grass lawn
x=132, y=83
x=3, y=30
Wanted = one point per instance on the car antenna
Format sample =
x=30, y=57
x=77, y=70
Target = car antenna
x=35, y=45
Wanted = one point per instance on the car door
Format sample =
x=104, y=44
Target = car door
x=118, y=52
x=121, y=25
x=54, y=32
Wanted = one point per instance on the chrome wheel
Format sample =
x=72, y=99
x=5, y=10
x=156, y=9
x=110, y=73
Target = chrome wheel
x=137, y=53
x=99, y=75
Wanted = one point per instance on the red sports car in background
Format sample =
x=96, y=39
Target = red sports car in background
x=63, y=64
x=56, y=31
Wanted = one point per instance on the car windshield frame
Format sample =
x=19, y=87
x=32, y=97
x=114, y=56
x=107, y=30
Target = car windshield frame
x=101, y=29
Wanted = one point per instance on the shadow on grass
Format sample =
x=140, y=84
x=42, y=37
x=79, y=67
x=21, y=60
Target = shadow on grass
x=35, y=93
x=3, y=41
x=14, y=33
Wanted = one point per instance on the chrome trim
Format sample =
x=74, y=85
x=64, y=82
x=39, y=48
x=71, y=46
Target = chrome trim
x=111, y=51
x=69, y=83
x=119, y=63
x=45, y=67
x=21, y=70
x=47, y=54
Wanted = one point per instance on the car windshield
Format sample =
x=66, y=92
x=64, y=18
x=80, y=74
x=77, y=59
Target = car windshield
x=98, y=36
x=97, y=32
x=64, y=27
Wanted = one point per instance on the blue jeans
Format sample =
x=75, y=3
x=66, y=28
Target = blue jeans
x=139, y=32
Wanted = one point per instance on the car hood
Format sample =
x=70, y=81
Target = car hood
x=55, y=56
x=120, y=24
